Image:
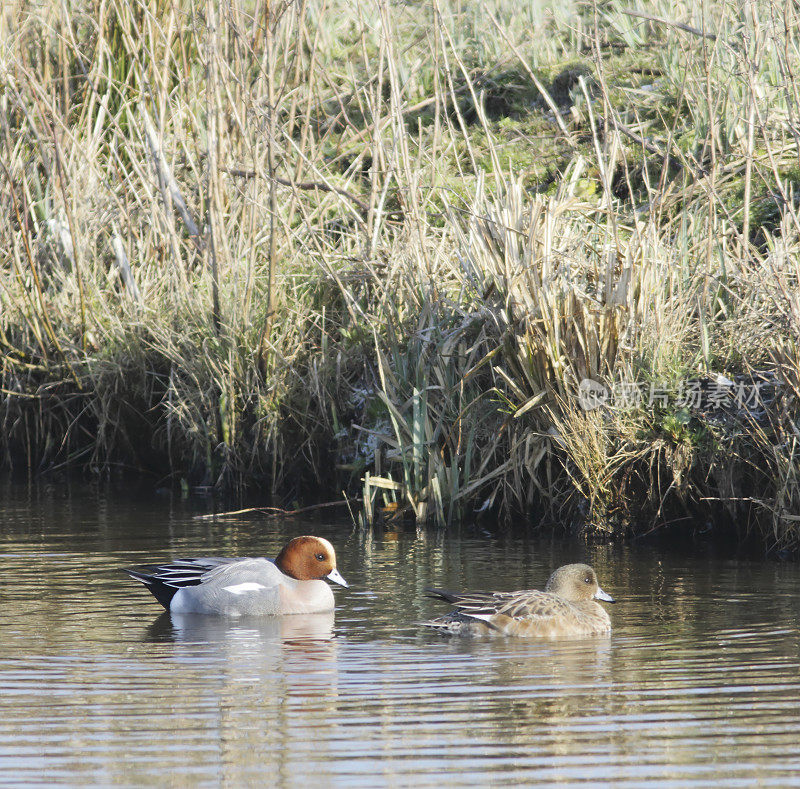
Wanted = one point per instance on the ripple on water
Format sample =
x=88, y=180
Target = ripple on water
x=696, y=686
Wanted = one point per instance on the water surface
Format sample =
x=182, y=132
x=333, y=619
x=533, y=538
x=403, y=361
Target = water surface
x=698, y=684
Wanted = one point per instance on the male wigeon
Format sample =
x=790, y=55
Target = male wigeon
x=566, y=607
x=292, y=584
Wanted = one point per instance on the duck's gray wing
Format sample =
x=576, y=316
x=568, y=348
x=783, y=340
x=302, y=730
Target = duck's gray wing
x=164, y=580
x=240, y=571
x=240, y=587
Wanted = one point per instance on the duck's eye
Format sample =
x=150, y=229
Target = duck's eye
x=588, y=579
x=320, y=557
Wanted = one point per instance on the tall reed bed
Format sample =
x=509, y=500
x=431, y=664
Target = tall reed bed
x=304, y=246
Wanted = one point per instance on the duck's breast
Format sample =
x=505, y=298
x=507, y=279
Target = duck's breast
x=306, y=597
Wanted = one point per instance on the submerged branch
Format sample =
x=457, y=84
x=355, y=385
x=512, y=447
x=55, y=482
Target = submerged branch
x=276, y=512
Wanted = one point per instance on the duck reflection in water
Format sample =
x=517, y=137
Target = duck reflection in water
x=300, y=630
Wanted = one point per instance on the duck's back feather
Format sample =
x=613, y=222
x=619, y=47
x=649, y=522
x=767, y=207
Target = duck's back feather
x=164, y=580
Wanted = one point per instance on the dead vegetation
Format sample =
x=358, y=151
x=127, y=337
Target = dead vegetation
x=303, y=247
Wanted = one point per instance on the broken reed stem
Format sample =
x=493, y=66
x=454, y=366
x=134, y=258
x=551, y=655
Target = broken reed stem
x=669, y=23
x=266, y=332
x=276, y=512
x=303, y=186
x=750, y=62
x=74, y=239
x=214, y=207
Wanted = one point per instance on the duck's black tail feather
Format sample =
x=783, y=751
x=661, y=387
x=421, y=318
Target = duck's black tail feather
x=442, y=594
x=161, y=591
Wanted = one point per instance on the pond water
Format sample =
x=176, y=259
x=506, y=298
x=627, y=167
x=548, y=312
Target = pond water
x=698, y=684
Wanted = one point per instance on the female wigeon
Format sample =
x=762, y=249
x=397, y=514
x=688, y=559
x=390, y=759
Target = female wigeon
x=292, y=584
x=566, y=607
